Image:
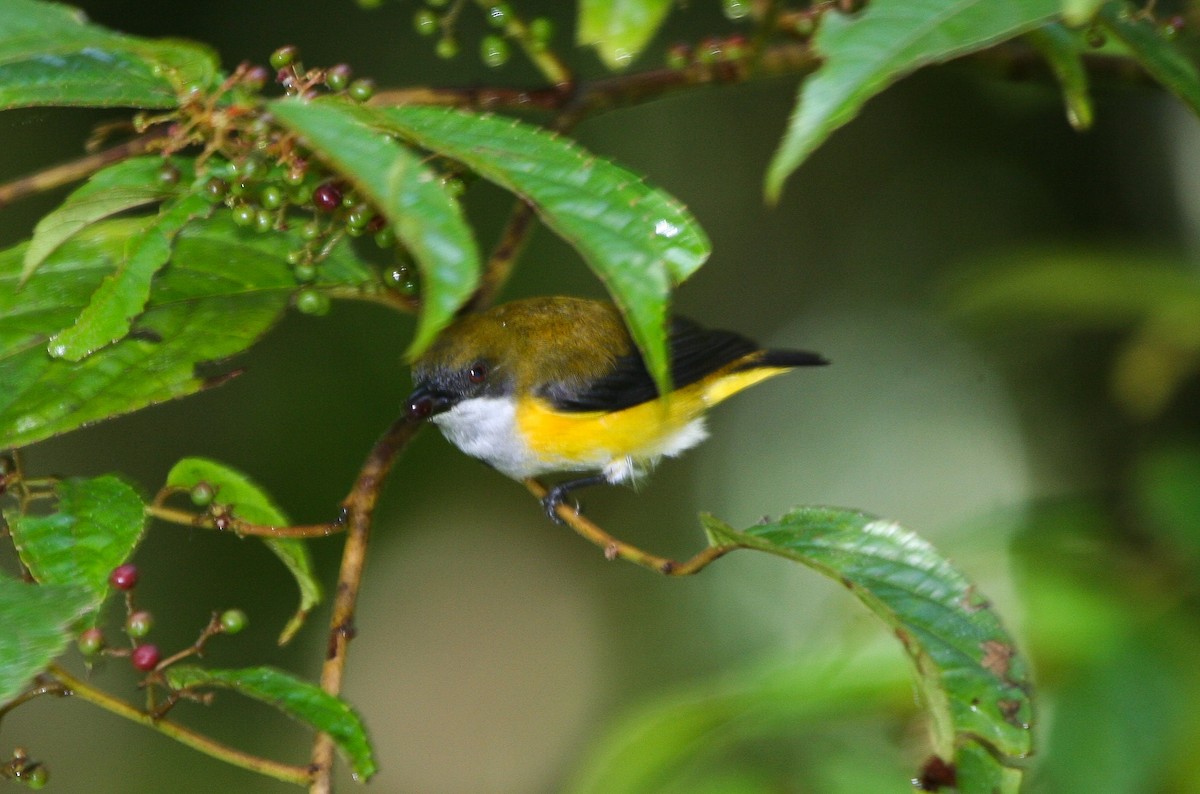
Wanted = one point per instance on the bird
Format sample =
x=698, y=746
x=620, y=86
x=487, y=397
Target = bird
x=556, y=384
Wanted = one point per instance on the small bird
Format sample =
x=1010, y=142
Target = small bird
x=556, y=384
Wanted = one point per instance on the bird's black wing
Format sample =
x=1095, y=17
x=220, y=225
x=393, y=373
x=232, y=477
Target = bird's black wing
x=694, y=353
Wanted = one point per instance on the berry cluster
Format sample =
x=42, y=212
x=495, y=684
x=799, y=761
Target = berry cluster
x=263, y=175
x=438, y=18
x=145, y=656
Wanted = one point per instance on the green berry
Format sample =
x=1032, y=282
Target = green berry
x=735, y=9
x=264, y=221
x=34, y=776
x=138, y=624
x=385, y=237
x=358, y=217
x=233, y=621
x=243, y=214
x=425, y=22
x=541, y=31
x=679, y=56
x=310, y=301
x=361, y=89
x=493, y=50
x=202, y=494
x=284, y=56
x=310, y=231
x=499, y=15
x=338, y=77
x=446, y=48
x=296, y=173
x=90, y=641
x=271, y=197
x=304, y=272
x=215, y=189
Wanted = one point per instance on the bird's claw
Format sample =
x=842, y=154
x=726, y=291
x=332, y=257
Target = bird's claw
x=556, y=497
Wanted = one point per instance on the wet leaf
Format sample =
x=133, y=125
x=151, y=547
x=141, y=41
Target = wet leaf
x=619, y=29
x=125, y=185
x=298, y=699
x=973, y=683
x=425, y=217
x=51, y=55
x=37, y=622
x=95, y=526
x=868, y=51
x=638, y=239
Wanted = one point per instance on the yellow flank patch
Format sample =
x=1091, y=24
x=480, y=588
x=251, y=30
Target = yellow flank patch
x=591, y=439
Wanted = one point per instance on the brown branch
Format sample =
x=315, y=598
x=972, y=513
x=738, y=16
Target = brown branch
x=359, y=508
x=66, y=173
x=504, y=256
x=617, y=549
x=237, y=526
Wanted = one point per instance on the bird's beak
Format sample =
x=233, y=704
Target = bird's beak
x=426, y=401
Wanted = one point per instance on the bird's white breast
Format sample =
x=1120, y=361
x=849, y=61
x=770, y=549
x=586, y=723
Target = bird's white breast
x=486, y=428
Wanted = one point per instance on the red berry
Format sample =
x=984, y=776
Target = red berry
x=145, y=657
x=327, y=196
x=124, y=577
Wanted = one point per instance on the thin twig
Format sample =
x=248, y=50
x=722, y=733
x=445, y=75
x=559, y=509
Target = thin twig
x=360, y=507
x=66, y=173
x=504, y=256
x=288, y=773
x=239, y=527
x=617, y=549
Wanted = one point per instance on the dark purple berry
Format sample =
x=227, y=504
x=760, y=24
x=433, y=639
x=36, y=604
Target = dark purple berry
x=327, y=196
x=145, y=657
x=124, y=577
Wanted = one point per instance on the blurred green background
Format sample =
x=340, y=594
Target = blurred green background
x=1040, y=429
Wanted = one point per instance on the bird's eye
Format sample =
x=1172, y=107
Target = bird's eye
x=478, y=372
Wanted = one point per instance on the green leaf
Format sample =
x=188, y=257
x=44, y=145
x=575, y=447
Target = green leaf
x=1087, y=290
x=122, y=295
x=426, y=218
x=247, y=501
x=223, y=290
x=639, y=240
x=973, y=682
x=95, y=527
x=1158, y=56
x=668, y=737
x=1063, y=50
x=1164, y=481
x=298, y=699
x=37, y=620
x=889, y=39
x=51, y=55
x=1080, y=12
x=619, y=29
x=125, y=185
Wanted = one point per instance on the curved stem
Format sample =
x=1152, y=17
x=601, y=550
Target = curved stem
x=617, y=549
x=66, y=173
x=288, y=773
x=360, y=508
